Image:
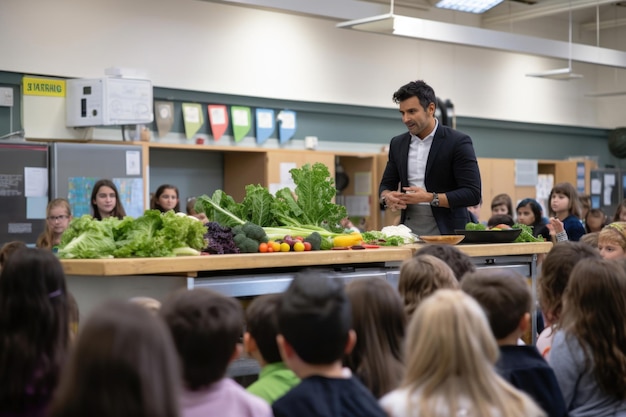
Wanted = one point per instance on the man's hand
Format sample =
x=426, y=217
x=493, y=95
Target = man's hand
x=415, y=195
x=393, y=200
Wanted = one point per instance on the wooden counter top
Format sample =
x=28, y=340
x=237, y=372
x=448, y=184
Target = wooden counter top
x=184, y=264
x=190, y=265
x=498, y=249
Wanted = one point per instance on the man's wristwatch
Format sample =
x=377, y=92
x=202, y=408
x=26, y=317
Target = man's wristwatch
x=383, y=201
x=435, y=201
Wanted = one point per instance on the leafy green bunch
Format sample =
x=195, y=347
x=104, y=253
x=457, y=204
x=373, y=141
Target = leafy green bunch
x=87, y=238
x=153, y=234
x=309, y=205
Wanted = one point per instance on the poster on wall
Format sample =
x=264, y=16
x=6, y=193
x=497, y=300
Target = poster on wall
x=130, y=195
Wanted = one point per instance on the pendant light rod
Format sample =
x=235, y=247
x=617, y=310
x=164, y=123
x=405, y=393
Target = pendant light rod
x=569, y=61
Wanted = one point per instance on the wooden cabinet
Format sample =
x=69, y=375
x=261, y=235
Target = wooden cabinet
x=243, y=166
x=498, y=176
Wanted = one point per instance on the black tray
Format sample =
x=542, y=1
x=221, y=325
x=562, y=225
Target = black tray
x=488, y=236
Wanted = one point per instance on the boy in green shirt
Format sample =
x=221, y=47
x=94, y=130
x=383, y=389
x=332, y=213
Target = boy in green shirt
x=275, y=379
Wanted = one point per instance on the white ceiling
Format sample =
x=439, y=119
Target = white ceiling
x=528, y=17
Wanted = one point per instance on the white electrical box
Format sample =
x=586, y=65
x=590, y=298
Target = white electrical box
x=108, y=101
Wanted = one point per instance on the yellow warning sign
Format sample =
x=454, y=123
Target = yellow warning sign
x=35, y=86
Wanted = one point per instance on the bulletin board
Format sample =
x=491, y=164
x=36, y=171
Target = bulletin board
x=23, y=191
x=77, y=166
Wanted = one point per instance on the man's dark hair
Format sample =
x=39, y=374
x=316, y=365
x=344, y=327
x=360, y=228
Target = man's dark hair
x=503, y=294
x=459, y=262
x=424, y=93
x=314, y=316
x=262, y=324
x=206, y=327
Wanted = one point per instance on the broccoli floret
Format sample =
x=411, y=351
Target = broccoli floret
x=475, y=226
x=254, y=231
x=315, y=239
x=248, y=245
x=238, y=239
x=236, y=230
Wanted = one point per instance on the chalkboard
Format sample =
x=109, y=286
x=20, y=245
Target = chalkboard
x=23, y=191
x=75, y=167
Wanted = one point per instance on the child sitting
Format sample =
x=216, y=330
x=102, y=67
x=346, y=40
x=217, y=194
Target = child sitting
x=459, y=262
x=123, y=364
x=506, y=299
x=612, y=241
x=565, y=205
x=379, y=321
x=552, y=282
x=315, y=326
x=589, y=350
x=259, y=342
x=421, y=276
x=206, y=327
x=450, y=358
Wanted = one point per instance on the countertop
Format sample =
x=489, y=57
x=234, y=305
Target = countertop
x=190, y=265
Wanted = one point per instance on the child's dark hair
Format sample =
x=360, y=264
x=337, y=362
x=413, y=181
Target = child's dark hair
x=535, y=207
x=500, y=219
x=595, y=213
x=34, y=327
x=379, y=322
x=570, y=192
x=154, y=200
x=618, y=211
x=503, y=294
x=595, y=302
x=262, y=324
x=314, y=317
x=503, y=200
x=123, y=364
x=459, y=262
x=118, y=210
x=206, y=327
x=555, y=272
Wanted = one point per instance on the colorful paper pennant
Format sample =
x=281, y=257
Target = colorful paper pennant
x=164, y=116
x=192, y=118
x=218, y=119
x=265, y=124
x=287, y=125
x=242, y=121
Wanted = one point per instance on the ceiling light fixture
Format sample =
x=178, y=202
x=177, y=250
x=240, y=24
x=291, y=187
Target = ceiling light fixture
x=469, y=6
x=607, y=94
x=431, y=30
x=562, y=74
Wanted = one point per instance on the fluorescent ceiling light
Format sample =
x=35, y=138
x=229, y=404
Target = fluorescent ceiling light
x=430, y=30
x=607, y=94
x=469, y=6
x=563, y=74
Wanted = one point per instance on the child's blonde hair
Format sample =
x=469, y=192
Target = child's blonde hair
x=613, y=233
x=421, y=276
x=45, y=239
x=451, y=354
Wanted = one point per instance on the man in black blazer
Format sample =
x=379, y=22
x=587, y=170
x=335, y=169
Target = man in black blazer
x=432, y=174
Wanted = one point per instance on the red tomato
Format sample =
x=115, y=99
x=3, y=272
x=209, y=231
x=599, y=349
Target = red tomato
x=307, y=246
x=263, y=247
x=300, y=238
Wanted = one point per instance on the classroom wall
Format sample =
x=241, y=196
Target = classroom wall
x=202, y=46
